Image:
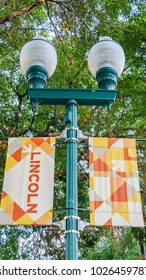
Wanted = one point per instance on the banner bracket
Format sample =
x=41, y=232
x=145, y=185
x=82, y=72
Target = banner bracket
x=61, y=225
x=80, y=134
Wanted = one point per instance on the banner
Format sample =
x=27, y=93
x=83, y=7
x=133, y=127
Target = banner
x=27, y=196
x=114, y=186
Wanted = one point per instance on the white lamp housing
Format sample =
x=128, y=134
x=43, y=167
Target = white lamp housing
x=106, y=53
x=38, y=52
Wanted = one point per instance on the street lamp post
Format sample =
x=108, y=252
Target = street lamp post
x=38, y=61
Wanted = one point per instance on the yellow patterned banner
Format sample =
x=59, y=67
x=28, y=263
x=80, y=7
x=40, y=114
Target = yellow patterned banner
x=114, y=186
x=27, y=196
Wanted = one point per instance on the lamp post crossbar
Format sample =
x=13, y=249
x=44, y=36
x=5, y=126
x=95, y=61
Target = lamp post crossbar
x=50, y=96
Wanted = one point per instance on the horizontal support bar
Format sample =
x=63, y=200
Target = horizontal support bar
x=91, y=97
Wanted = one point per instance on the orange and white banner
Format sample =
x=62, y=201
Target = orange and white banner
x=27, y=196
x=114, y=186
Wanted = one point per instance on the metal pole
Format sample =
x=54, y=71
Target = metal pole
x=71, y=182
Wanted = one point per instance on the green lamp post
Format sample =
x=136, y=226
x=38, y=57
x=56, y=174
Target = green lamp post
x=38, y=60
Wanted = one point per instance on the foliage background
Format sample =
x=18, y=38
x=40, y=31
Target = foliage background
x=73, y=27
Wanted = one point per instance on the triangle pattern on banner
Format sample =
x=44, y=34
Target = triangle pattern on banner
x=3, y=194
x=115, y=183
x=95, y=204
x=135, y=198
x=116, y=206
x=47, y=148
x=129, y=143
x=18, y=212
x=5, y=219
x=133, y=182
x=6, y=201
x=108, y=223
x=124, y=215
x=27, y=145
x=99, y=165
x=17, y=155
x=127, y=156
x=111, y=141
x=90, y=157
x=45, y=219
x=97, y=197
x=25, y=220
x=123, y=211
x=118, y=144
x=121, y=219
x=9, y=210
x=49, y=140
x=122, y=174
x=10, y=163
x=38, y=141
x=120, y=194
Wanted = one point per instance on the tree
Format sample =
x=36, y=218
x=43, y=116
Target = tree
x=73, y=27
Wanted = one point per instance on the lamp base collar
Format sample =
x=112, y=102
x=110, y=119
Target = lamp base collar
x=107, y=78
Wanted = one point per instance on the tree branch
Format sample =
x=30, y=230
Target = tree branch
x=87, y=117
x=20, y=12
